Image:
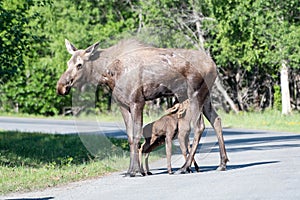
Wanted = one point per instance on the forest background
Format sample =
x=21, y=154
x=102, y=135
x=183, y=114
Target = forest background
x=252, y=43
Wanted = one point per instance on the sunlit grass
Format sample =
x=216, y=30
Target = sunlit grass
x=25, y=178
x=268, y=120
x=30, y=161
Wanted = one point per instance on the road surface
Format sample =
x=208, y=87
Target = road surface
x=59, y=126
x=263, y=165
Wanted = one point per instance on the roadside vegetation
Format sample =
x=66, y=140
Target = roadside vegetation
x=267, y=120
x=31, y=161
x=250, y=41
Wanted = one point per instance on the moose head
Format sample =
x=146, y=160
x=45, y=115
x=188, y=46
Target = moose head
x=79, y=68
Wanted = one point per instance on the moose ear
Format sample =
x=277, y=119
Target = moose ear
x=70, y=47
x=91, y=49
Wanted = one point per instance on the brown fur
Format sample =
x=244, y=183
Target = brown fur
x=137, y=73
x=175, y=124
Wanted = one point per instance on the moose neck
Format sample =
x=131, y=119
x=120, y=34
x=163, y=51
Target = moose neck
x=101, y=72
x=106, y=67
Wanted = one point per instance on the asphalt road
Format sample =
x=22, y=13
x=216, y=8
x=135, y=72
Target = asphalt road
x=263, y=165
x=58, y=126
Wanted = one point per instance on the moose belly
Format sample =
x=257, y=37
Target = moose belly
x=153, y=91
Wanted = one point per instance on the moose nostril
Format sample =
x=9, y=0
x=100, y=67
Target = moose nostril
x=69, y=83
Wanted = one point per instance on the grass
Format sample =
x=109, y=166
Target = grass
x=260, y=120
x=31, y=161
x=267, y=120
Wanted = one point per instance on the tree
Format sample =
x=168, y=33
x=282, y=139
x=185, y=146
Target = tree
x=15, y=45
x=249, y=43
x=14, y=41
x=44, y=59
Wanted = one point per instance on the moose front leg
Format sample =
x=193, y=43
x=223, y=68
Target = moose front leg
x=134, y=136
x=129, y=126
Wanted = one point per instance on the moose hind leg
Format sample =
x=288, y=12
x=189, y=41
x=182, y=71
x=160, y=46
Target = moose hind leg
x=215, y=121
x=197, y=92
x=199, y=128
x=197, y=168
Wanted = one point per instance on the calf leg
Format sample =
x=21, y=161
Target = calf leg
x=198, y=133
x=146, y=148
x=215, y=121
x=147, y=164
x=184, y=143
x=141, y=159
x=197, y=93
x=169, y=153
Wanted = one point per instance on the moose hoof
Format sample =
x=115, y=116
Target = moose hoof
x=189, y=170
x=149, y=173
x=130, y=174
x=170, y=172
x=221, y=168
x=143, y=173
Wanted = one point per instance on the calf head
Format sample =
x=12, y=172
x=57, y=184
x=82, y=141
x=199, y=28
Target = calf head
x=179, y=109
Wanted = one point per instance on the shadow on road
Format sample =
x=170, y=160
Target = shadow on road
x=213, y=168
x=42, y=198
x=238, y=166
x=252, y=142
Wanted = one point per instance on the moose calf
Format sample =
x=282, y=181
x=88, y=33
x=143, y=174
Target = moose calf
x=175, y=124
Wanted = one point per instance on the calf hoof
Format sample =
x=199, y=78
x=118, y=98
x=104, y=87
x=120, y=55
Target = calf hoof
x=149, y=173
x=143, y=174
x=197, y=169
x=221, y=168
x=182, y=171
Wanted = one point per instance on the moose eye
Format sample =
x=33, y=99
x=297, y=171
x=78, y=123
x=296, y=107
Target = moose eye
x=79, y=66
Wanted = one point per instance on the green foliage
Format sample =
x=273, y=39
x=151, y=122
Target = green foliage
x=247, y=39
x=277, y=97
x=265, y=120
x=32, y=90
x=250, y=41
x=15, y=39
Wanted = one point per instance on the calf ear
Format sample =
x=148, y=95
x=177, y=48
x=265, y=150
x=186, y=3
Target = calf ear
x=70, y=47
x=91, y=49
x=173, y=109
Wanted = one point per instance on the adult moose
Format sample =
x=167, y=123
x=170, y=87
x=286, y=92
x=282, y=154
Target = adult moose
x=137, y=73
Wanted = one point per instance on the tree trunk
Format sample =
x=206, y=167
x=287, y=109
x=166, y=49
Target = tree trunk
x=285, y=92
x=198, y=30
x=226, y=96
